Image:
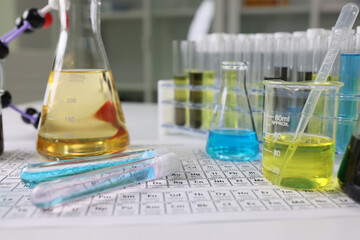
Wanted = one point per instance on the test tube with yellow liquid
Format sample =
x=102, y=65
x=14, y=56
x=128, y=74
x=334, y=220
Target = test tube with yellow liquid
x=208, y=98
x=81, y=114
x=312, y=162
x=181, y=60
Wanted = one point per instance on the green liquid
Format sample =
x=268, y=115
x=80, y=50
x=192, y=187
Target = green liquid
x=196, y=79
x=257, y=105
x=310, y=167
x=181, y=96
x=317, y=125
x=231, y=115
x=208, y=98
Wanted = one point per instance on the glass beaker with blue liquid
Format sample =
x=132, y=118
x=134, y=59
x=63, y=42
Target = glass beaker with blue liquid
x=232, y=134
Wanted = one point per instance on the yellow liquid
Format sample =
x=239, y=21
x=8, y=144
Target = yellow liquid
x=310, y=167
x=257, y=105
x=81, y=116
x=231, y=115
x=181, y=97
x=208, y=98
x=181, y=94
x=316, y=123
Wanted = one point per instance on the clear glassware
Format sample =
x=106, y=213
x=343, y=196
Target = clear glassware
x=307, y=161
x=349, y=171
x=81, y=115
x=181, y=62
x=232, y=134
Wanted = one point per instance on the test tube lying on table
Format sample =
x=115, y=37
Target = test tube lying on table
x=33, y=174
x=82, y=185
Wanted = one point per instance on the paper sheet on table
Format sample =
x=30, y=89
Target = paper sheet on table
x=204, y=190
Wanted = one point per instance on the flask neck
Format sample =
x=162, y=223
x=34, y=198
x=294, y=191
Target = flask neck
x=233, y=74
x=83, y=18
x=80, y=45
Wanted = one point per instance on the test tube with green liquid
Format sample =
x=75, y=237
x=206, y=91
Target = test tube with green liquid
x=243, y=48
x=255, y=83
x=181, y=81
x=215, y=49
x=207, y=79
x=197, y=56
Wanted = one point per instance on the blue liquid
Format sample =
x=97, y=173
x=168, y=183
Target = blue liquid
x=33, y=174
x=343, y=135
x=349, y=75
x=232, y=144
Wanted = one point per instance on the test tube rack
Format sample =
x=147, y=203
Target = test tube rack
x=167, y=105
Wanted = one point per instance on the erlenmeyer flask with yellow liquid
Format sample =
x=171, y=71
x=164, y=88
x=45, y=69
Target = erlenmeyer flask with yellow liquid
x=81, y=114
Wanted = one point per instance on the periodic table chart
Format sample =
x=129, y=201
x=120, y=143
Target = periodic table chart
x=204, y=190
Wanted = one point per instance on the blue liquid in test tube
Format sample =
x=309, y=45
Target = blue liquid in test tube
x=349, y=75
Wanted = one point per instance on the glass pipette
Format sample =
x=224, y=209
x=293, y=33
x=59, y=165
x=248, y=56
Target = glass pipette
x=33, y=174
x=71, y=188
x=343, y=24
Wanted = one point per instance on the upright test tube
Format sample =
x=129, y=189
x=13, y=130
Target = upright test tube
x=196, y=82
x=318, y=38
x=282, y=53
x=305, y=57
x=268, y=58
x=215, y=53
x=209, y=67
x=242, y=48
x=318, y=46
x=216, y=49
x=180, y=62
x=349, y=74
x=255, y=85
x=257, y=64
x=296, y=40
x=229, y=47
x=335, y=71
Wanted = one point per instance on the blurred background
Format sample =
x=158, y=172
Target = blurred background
x=137, y=35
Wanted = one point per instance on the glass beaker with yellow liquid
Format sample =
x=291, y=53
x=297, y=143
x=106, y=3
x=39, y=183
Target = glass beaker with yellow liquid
x=81, y=114
x=308, y=161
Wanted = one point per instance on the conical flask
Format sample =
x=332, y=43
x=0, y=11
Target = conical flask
x=232, y=134
x=349, y=171
x=81, y=114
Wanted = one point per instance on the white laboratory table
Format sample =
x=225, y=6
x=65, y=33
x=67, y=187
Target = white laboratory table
x=142, y=123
